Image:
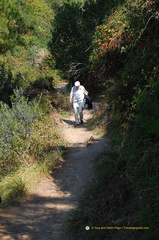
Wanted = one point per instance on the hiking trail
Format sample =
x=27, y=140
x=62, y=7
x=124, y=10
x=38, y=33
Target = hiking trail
x=41, y=215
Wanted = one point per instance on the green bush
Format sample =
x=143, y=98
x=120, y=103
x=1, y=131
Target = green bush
x=15, y=127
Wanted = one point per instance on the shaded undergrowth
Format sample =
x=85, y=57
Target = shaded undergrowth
x=114, y=206
x=121, y=201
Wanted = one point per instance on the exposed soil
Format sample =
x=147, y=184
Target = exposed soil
x=41, y=215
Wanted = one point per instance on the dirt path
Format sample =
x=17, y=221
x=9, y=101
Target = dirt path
x=41, y=215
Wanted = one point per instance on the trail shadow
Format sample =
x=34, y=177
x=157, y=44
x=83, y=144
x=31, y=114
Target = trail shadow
x=79, y=165
x=72, y=123
x=34, y=220
x=41, y=217
x=69, y=122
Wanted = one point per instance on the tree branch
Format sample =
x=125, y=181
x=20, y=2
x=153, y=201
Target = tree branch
x=141, y=33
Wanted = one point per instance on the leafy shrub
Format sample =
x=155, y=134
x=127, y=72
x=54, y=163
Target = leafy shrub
x=15, y=127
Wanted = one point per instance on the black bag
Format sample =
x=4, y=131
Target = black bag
x=88, y=102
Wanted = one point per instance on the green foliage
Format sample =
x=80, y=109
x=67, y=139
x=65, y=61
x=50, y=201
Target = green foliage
x=25, y=32
x=72, y=44
x=60, y=101
x=6, y=84
x=69, y=44
x=12, y=190
x=23, y=18
x=15, y=127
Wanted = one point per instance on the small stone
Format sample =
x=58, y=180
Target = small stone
x=92, y=138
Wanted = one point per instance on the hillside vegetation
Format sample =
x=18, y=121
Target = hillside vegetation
x=25, y=31
x=30, y=140
x=122, y=62
x=112, y=46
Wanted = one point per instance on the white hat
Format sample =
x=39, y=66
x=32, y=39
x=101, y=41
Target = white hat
x=77, y=83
